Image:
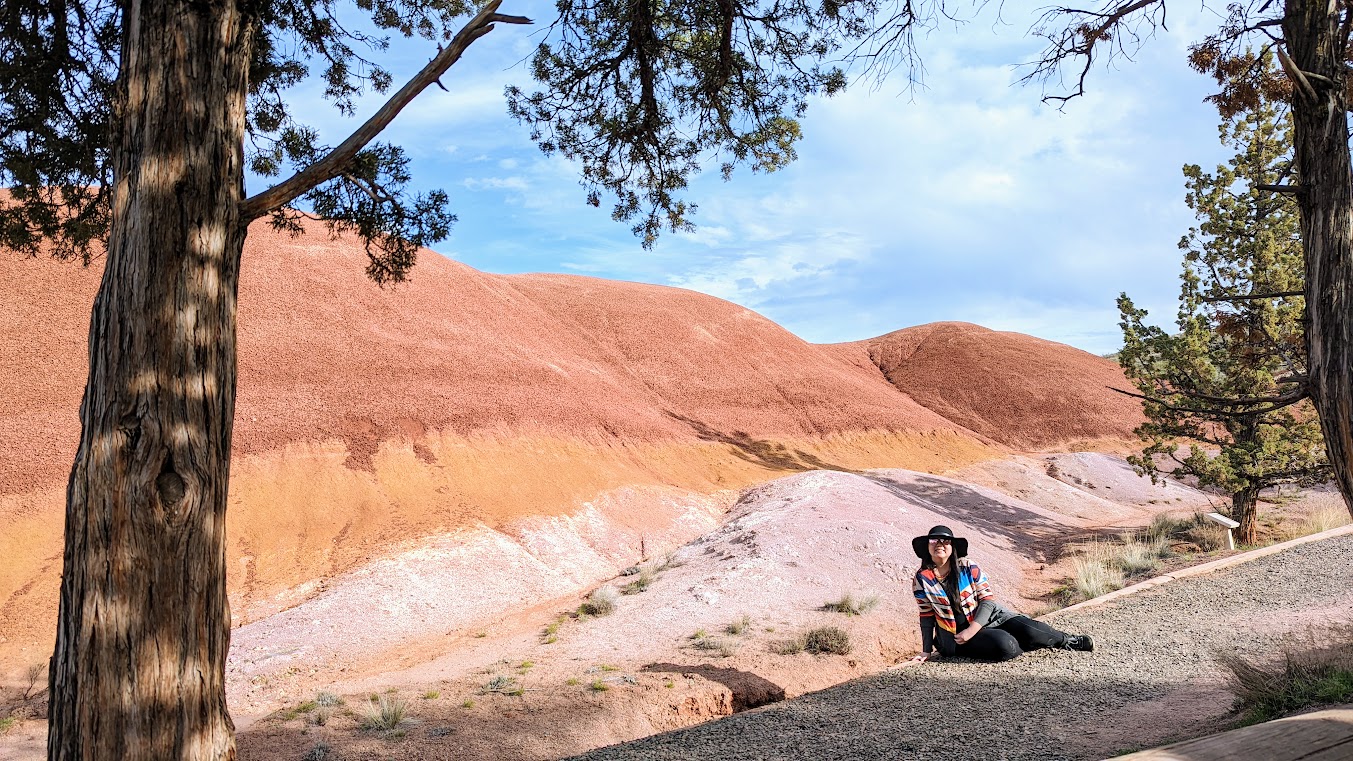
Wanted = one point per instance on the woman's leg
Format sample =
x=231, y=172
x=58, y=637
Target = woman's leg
x=1032, y=634
x=990, y=645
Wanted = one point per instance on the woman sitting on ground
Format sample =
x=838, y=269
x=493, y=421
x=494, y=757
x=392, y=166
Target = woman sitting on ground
x=977, y=627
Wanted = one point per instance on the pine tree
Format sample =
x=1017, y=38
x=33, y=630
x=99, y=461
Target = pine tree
x=1217, y=386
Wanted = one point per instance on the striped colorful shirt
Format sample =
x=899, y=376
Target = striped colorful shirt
x=934, y=602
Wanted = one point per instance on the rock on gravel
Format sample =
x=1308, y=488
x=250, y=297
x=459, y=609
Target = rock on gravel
x=1152, y=679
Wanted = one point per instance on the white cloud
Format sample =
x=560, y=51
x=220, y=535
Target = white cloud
x=496, y=183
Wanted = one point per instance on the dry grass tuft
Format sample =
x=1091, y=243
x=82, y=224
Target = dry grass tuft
x=600, y=603
x=1093, y=577
x=739, y=626
x=642, y=581
x=1311, y=673
x=791, y=646
x=386, y=713
x=723, y=646
x=852, y=605
x=1322, y=518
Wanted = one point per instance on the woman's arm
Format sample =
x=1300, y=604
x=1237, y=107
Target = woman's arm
x=927, y=620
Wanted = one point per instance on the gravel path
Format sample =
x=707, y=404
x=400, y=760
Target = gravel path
x=1153, y=678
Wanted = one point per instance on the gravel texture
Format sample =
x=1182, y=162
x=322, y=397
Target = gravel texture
x=1153, y=651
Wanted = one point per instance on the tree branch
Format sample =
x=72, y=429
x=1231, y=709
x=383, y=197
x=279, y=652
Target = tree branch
x=1252, y=296
x=1287, y=189
x=1298, y=77
x=1275, y=402
x=332, y=165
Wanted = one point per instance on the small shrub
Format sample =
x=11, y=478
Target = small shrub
x=607, y=667
x=852, y=605
x=321, y=715
x=467, y=704
x=502, y=684
x=525, y=666
x=1166, y=527
x=827, y=640
x=599, y=686
x=791, y=646
x=551, y=633
x=34, y=674
x=7, y=723
x=739, y=626
x=600, y=603
x=328, y=699
x=702, y=641
x=431, y=695
x=1310, y=674
x=572, y=681
x=289, y=714
x=670, y=561
x=641, y=583
x=481, y=635
x=669, y=684
x=386, y=713
x=321, y=752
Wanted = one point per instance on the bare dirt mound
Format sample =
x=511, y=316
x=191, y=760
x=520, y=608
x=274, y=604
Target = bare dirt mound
x=1017, y=390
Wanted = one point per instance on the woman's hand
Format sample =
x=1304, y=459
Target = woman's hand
x=912, y=661
x=967, y=634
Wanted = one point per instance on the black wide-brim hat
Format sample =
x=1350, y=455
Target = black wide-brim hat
x=921, y=543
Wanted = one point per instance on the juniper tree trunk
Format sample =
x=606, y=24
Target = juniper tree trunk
x=139, y=666
x=1244, y=510
x=1314, y=42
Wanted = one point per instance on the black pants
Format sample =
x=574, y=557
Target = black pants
x=1015, y=636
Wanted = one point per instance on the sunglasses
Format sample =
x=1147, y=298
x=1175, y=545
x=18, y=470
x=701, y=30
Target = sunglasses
x=941, y=541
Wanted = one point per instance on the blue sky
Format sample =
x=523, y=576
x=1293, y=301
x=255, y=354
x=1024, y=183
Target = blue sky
x=965, y=199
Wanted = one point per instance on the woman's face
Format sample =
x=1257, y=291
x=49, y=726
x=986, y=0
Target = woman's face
x=940, y=551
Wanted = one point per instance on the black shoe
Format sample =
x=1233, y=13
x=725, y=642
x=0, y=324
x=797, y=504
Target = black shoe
x=1082, y=642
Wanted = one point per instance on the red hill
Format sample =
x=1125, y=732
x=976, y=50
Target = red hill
x=1018, y=390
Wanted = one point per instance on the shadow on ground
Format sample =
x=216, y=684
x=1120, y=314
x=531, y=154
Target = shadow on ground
x=749, y=690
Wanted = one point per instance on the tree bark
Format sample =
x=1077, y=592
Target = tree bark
x=139, y=666
x=1315, y=45
x=1244, y=504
